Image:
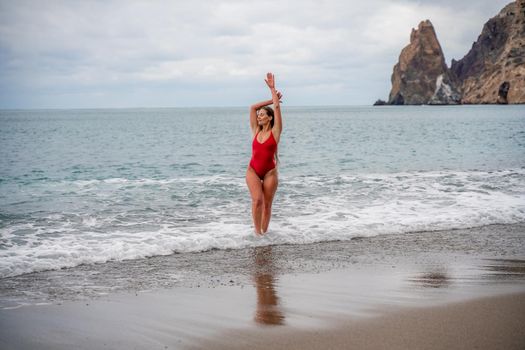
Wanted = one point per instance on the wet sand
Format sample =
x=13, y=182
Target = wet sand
x=435, y=290
x=486, y=323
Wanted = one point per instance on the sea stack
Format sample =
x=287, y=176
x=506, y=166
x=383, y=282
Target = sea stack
x=421, y=76
x=493, y=71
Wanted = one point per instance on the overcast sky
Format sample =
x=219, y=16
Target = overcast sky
x=91, y=54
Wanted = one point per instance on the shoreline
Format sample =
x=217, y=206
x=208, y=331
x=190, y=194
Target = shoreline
x=285, y=292
x=435, y=253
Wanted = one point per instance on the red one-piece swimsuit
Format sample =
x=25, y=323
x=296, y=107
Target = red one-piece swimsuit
x=263, y=155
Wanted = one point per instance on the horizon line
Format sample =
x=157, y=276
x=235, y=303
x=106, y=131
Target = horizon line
x=173, y=107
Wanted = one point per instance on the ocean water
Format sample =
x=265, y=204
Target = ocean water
x=91, y=186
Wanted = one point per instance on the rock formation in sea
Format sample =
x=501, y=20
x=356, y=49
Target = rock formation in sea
x=493, y=71
x=380, y=102
x=421, y=76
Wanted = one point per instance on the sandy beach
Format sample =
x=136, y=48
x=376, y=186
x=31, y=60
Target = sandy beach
x=485, y=323
x=435, y=290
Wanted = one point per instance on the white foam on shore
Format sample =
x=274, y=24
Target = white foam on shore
x=306, y=210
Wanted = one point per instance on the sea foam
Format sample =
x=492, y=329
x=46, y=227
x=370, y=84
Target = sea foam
x=124, y=219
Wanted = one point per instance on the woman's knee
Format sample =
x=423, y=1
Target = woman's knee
x=257, y=201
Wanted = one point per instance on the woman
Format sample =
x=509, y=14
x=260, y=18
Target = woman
x=261, y=176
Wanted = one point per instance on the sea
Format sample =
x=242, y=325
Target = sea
x=96, y=186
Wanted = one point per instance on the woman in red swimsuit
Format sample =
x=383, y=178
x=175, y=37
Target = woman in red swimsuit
x=261, y=176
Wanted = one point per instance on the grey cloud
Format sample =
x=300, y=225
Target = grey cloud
x=119, y=52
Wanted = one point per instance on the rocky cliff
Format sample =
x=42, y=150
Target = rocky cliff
x=493, y=71
x=421, y=76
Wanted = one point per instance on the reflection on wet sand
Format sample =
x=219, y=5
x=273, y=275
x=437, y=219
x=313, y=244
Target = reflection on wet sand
x=504, y=269
x=432, y=279
x=268, y=311
x=489, y=270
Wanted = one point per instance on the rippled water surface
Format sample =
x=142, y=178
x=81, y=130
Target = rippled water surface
x=84, y=186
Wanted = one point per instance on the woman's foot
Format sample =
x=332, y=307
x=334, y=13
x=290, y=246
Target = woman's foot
x=262, y=233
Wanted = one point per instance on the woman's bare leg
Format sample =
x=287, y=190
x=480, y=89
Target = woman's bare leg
x=256, y=192
x=270, y=183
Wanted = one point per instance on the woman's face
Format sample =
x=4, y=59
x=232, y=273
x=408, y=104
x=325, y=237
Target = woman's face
x=263, y=117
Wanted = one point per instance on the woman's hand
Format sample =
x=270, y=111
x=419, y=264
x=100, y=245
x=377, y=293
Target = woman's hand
x=279, y=95
x=270, y=80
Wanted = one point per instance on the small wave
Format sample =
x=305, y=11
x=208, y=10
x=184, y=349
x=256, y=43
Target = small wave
x=213, y=212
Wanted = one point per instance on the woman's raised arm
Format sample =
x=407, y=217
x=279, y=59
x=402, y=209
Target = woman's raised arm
x=276, y=96
x=258, y=105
